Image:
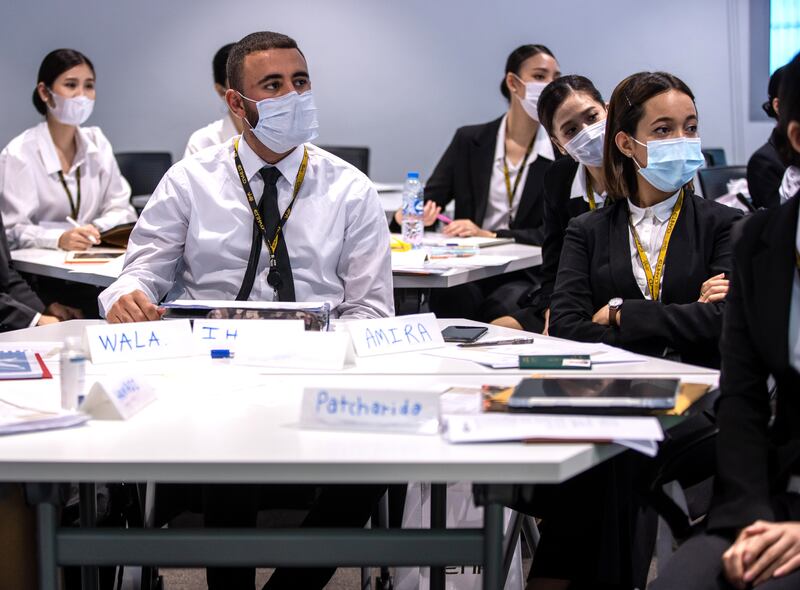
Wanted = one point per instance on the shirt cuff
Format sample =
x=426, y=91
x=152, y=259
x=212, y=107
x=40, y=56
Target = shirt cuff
x=35, y=320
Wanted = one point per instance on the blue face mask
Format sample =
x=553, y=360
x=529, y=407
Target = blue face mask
x=671, y=163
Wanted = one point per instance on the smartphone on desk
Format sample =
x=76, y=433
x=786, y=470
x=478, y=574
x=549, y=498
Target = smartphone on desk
x=463, y=333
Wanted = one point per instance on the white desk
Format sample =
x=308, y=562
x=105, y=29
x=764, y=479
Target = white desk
x=219, y=423
x=50, y=263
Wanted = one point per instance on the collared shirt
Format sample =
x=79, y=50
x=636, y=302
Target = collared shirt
x=790, y=183
x=193, y=238
x=651, y=227
x=497, y=209
x=33, y=201
x=578, y=190
x=794, y=311
x=215, y=133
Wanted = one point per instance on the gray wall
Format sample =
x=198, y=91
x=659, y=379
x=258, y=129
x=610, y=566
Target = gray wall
x=396, y=76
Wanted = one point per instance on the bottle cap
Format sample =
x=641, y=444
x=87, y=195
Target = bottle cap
x=413, y=175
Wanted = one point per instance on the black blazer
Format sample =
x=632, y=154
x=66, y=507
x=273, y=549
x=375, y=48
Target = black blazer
x=596, y=266
x=764, y=174
x=465, y=171
x=754, y=457
x=18, y=303
x=559, y=208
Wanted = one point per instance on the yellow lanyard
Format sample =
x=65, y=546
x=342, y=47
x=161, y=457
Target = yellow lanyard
x=654, y=278
x=590, y=192
x=74, y=207
x=301, y=175
x=509, y=190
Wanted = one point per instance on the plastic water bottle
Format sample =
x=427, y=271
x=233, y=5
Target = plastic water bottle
x=413, y=226
x=73, y=373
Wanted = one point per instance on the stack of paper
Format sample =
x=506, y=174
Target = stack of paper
x=16, y=418
x=639, y=433
x=21, y=364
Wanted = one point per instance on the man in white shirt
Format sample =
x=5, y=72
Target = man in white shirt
x=222, y=129
x=197, y=239
x=318, y=233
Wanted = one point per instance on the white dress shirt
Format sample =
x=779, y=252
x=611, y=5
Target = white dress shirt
x=790, y=183
x=497, y=209
x=215, y=133
x=578, y=190
x=794, y=312
x=193, y=238
x=651, y=227
x=33, y=201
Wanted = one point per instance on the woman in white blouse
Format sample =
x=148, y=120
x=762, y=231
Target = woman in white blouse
x=58, y=169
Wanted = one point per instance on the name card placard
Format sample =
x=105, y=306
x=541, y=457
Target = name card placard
x=306, y=350
x=115, y=343
x=118, y=398
x=370, y=410
x=228, y=334
x=397, y=334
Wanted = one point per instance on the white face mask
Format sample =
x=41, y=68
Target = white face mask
x=587, y=146
x=285, y=122
x=71, y=111
x=531, y=101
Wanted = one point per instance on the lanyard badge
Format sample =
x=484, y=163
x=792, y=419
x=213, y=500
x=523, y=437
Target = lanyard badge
x=74, y=206
x=274, y=278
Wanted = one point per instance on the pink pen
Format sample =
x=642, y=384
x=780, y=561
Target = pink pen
x=444, y=218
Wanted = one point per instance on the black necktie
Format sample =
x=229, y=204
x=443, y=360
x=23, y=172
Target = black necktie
x=268, y=207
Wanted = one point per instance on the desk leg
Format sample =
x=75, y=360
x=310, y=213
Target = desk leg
x=438, y=521
x=46, y=523
x=87, y=493
x=493, y=547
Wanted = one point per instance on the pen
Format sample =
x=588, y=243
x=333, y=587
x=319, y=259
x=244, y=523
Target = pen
x=74, y=223
x=221, y=353
x=444, y=218
x=497, y=343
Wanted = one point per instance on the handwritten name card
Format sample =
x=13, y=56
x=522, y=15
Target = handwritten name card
x=371, y=410
x=118, y=398
x=398, y=334
x=115, y=343
x=229, y=334
x=306, y=350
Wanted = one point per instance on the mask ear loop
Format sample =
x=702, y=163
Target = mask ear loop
x=633, y=157
x=245, y=119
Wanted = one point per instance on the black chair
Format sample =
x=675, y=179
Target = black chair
x=715, y=157
x=357, y=156
x=143, y=171
x=714, y=181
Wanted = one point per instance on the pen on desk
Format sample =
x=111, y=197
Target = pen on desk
x=74, y=223
x=221, y=353
x=444, y=218
x=497, y=343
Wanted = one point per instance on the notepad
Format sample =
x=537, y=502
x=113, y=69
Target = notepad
x=22, y=364
x=16, y=418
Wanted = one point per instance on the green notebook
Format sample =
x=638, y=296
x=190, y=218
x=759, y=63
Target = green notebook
x=554, y=361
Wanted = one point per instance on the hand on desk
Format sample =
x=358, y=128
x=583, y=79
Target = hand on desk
x=429, y=213
x=602, y=316
x=47, y=319
x=465, y=228
x=134, y=307
x=79, y=238
x=762, y=551
x=507, y=321
x=63, y=312
x=714, y=289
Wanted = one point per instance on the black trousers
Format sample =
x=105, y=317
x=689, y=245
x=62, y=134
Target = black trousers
x=484, y=300
x=336, y=506
x=697, y=565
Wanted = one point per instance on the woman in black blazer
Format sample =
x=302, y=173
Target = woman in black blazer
x=765, y=167
x=495, y=174
x=573, y=113
x=624, y=277
x=753, y=533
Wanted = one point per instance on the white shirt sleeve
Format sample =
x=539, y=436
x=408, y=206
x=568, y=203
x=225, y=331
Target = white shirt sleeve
x=365, y=265
x=115, y=192
x=19, y=194
x=156, y=244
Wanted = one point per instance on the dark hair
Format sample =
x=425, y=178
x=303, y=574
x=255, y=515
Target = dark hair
x=517, y=58
x=625, y=110
x=772, y=92
x=261, y=41
x=220, y=64
x=53, y=65
x=555, y=93
x=789, y=97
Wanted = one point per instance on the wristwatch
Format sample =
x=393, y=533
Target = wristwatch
x=613, y=310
